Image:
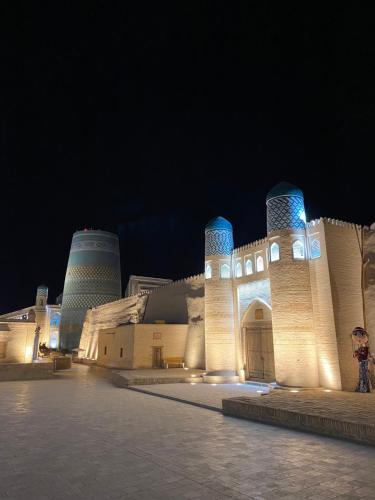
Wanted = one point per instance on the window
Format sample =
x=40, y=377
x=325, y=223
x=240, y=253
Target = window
x=249, y=267
x=275, y=252
x=260, y=264
x=238, y=270
x=224, y=271
x=298, y=250
x=258, y=314
x=208, y=271
x=121, y=352
x=315, y=249
x=105, y=350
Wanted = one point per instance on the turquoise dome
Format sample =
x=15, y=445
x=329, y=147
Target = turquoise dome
x=219, y=223
x=284, y=189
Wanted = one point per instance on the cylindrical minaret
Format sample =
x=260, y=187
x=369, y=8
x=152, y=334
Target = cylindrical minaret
x=219, y=322
x=41, y=316
x=93, y=277
x=41, y=296
x=292, y=315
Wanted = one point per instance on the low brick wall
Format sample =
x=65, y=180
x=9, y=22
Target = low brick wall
x=353, y=428
x=25, y=371
x=62, y=363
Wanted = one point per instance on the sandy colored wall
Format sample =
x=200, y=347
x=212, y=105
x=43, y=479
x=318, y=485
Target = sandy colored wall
x=172, y=340
x=115, y=339
x=19, y=339
x=109, y=315
x=345, y=268
x=195, y=348
x=292, y=316
x=169, y=304
x=323, y=318
x=137, y=342
x=220, y=344
x=369, y=282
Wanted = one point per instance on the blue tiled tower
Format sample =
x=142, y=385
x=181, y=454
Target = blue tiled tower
x=219, y=310
x=285, y=208
x=93, y=277
x=292, y=314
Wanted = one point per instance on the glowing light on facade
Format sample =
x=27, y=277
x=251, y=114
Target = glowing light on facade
x=275, y=252
x=249, y=267
x=260, y=264
x=238, y=270
x=298, y=250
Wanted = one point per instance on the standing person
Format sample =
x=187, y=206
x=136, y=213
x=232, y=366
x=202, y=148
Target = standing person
x=362, y=353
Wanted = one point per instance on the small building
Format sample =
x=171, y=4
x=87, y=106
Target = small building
x=19, y=323
x=17, y=341
x=135, y=346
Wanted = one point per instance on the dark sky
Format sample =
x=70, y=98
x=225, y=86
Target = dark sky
x=127, y=117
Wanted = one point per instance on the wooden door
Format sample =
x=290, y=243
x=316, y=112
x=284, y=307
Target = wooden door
x=156, y=357
x=259, y=352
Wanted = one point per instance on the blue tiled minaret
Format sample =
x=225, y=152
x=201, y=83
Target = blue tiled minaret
x=219, y=312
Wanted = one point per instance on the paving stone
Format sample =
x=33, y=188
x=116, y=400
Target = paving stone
x=80, y=437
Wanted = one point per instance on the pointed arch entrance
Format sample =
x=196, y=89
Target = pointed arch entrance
x=258, y=342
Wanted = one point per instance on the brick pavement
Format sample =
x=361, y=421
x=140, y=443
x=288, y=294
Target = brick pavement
x=206, y=395
x=81, y=437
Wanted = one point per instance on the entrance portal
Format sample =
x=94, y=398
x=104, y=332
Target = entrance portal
x=258, y=340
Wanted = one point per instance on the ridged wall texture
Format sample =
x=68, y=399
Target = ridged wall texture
x=219, y=310
x=93, y=277
x=292, y=309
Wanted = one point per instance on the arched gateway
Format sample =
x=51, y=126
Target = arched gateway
x=258, y=342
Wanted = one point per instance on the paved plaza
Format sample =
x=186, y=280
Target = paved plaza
x=81, y=437
x=208, y=395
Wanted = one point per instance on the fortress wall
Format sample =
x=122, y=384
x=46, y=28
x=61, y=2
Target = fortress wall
x=323, y=318
x=292, y=317
x=18, y=337
x=219, y=320
x=172, y=339
x=369, y=283
x=345, y=268
x=113, y=339
x=250, y=247
x=109, y=316
x=195, y=341
x=168, y=303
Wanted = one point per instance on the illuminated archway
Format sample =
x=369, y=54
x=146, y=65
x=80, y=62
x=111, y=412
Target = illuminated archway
x=258, y=341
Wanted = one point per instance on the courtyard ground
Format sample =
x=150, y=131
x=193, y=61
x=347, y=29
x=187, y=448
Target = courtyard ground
x=205, y=395
x=81, y=437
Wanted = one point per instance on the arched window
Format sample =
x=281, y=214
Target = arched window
x=224, y=271
x=260, y=264
x=315, y=249
x=298, y=250
x=249, y=267
x=275, y=252
x=55, y=321
x=238, y=270
x=208, y=272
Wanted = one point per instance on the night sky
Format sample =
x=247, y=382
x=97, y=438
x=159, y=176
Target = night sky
x=148, y=122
